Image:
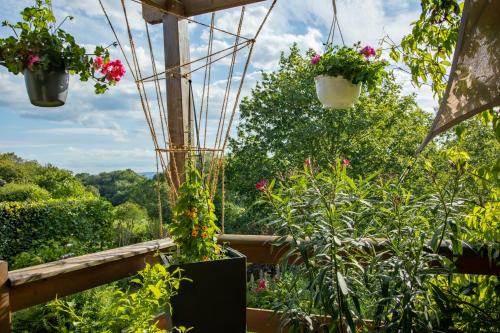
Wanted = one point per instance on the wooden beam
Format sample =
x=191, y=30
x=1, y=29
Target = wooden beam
x=187, y=8
x=5, y=308
x=176, y=48
x=259, y=249
x=42, y=283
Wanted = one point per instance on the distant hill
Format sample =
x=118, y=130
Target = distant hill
x=149, y=175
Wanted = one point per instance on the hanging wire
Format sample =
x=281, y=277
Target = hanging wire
x=335, y=25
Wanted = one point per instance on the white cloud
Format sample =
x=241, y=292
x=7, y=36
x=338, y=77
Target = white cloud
x=117, y=118
x=115, y=132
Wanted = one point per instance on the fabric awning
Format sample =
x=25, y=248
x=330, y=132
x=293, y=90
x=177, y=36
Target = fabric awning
x=474, y=82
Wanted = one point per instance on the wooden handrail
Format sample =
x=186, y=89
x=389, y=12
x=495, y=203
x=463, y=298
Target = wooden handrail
x=39, y=284
x=259, y=249
x=20, y=289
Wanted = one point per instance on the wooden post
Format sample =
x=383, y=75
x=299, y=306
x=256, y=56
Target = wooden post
x=5, y=315
x=175, y=34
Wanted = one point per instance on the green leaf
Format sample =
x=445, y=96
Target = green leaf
x=342, y=284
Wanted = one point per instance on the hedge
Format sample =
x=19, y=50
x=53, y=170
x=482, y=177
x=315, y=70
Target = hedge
x=24, y=224
x=23, y=192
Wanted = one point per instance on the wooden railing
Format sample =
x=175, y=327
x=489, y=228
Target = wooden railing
x=22, y=288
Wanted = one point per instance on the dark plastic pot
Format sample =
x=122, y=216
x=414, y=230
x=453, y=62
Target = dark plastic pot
x=47, y=88
x=216, y=299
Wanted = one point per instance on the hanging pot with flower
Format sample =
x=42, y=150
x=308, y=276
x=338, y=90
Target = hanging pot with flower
x=341, y=71
x=47, y=55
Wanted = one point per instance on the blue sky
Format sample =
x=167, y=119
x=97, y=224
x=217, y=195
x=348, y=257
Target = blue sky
x=94, y=133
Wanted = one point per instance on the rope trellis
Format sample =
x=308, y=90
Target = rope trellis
x=210, y=158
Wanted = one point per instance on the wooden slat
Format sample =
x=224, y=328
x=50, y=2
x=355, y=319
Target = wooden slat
x=5, y=309
x=187, y=8
x=42, y=283
x=198, y=7
x=258, y=249
x=262, y=321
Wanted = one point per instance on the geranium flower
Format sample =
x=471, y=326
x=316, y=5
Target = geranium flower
x=98, y=62
x=315, y=59
x=346, y=162
x=261, y=285
x=261, y=185
x=307, y=162
x=367, y=51
x=112, y=70
x=32, y=59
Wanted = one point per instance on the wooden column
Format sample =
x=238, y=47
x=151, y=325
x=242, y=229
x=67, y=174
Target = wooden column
x=5, y=315
x=176, y=41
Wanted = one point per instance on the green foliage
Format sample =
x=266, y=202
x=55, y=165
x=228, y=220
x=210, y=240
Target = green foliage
x=132, y=224
x=51, y=250
x=428, y=49
x=193, y=227
x=21, y=223
x=38, y=35
x=23, y=192
x=125, y=185
x=330, y=216
x=351, y=64
x=58, y=182
x=282, y=124
x=131, y=310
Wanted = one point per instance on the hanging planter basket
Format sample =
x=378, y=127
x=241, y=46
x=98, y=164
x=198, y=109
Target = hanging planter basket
x=47, y=88
x=336, y=92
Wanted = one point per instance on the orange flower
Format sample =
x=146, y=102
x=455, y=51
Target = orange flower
x=204, y=235
x=194, y=232
x=204, y=258
x=204, y=228
x=191, y=213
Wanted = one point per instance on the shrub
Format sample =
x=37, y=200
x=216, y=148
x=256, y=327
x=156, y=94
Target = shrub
x=116, y=310
x=132, y=224
x=23, y=192
x=21, y=223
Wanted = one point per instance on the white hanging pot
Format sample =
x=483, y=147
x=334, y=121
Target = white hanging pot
x=336, y=92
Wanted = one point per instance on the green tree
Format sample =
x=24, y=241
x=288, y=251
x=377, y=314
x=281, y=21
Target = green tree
x=132, y=224
x=283, y=123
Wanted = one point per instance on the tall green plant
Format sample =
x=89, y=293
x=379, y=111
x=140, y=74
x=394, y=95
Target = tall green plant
x=193, y=227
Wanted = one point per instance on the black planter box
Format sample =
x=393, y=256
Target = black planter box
x=215, y=301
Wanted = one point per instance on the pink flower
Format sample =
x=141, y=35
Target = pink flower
x=315, y=59
x=261, y=185
x=367, y=51
x=345, y=163
x=98, y=63
x=115, y=71
x=261, y=285
x=32, y=59
x=112, y=70
x=307, y=162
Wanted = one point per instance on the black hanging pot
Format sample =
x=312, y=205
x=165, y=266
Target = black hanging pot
x=215, y=300
x=47, y=88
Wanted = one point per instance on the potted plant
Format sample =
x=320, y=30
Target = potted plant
x=215, y=299
x=47, y=55
x=341, y=71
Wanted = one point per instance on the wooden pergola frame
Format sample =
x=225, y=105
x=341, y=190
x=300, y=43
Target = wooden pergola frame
x=172, y=14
